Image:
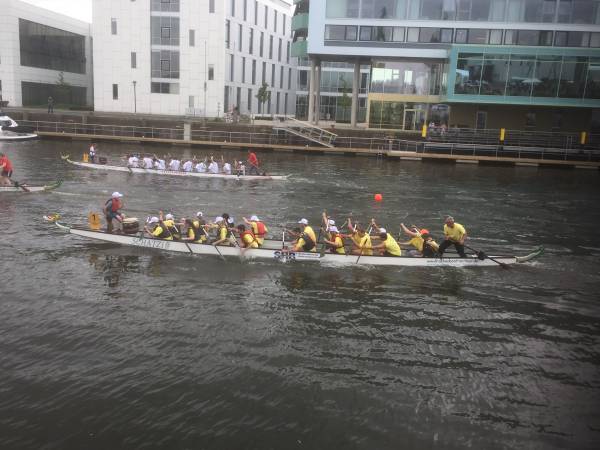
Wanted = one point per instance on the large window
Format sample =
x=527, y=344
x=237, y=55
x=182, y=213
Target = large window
x=523, y=75
x=165, y=31
x=164, y=88
x=36, y=94
x=50, y=48
x=406, y=77
x=165, y=64
x=165, y=5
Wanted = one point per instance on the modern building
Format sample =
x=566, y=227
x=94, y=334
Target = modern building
x=193, y=57
x=521, y=64
x=43, y=54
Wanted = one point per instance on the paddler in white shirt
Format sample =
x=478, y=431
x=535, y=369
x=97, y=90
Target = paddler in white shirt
x=201, y=167
x=133, y=161
x=213, y=167
x=159, y=164
x=188, y=166
x=174, y=164
x=148, y=162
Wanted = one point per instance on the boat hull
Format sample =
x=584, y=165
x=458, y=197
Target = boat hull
x=285, y=255
x=140, y=170
x=29, y=189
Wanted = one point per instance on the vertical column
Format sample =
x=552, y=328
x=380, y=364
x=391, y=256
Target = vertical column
x=355, y=89
x=311, y=92
x=318, y=93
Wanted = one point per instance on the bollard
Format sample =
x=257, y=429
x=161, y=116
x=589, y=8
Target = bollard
x=424, y=131
x=583, y=138
x=502, y=134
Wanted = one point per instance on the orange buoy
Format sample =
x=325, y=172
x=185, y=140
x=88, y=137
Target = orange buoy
x=378, y=197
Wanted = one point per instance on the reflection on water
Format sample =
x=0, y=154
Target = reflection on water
x=194, y=352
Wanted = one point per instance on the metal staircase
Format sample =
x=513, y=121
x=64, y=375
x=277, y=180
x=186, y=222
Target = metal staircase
x=304, y=130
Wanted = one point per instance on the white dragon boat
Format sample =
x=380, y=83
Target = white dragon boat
x=18, y=187
x=174, y=173
x=282, y=253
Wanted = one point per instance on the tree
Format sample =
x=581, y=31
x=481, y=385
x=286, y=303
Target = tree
x=345, y=101
x=263, y=96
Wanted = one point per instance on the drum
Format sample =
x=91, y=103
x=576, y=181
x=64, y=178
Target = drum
x=131, y=225
x=102, y=160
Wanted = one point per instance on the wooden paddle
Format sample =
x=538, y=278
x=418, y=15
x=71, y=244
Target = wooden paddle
x=362, y=249
x=481, y=255
x=20, y=185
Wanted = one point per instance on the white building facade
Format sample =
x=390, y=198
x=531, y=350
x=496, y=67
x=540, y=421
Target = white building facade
x=192, y=57
x=43, y=54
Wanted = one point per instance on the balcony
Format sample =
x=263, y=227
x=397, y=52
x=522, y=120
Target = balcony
x=300, y=22
x=299, y=49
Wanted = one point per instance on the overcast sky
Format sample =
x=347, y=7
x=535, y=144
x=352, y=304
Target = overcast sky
x=79, y=9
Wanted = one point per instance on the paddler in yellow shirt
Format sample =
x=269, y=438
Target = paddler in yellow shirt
x=361, y=240
x=335, y=241
x=454, y=234
x=388, y=246
x=421, y=240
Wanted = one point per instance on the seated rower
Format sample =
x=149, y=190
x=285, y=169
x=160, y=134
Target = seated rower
x=247, y=238
x=223, y=232
x=201, y=167
x=388, y=246
x=213, y=167
x=423, y=243
x=335, y=241
x=187, y=166
x=308, y=230
x=174, y=164
x=259, y=229
x=304, y=243
x=328, y=222
x=362, y=241
x=195, y=231
x=159, y=230
x=133, y=161
x=227, y=168
x=168, y=221
x=148, y=162
x=240, y=168
x=159, y=164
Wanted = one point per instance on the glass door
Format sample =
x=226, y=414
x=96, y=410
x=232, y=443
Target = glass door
x=410, y=119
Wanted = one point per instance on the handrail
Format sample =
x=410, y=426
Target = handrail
x=314, y=132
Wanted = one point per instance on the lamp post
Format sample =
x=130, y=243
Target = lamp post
x=205, y=79
x=134, y=97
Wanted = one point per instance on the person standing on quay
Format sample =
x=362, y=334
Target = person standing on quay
x=50, y=105
x=454, y=234
x=92, y=153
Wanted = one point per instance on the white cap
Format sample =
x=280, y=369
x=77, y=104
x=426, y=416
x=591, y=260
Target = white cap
x=153, y=220
x=218, y=219
x=230, y=220
x=254, y=218
x=382, y=230
x=303, y=221
x=239, y=162
x=199, y=214
x=117, y=195
x=331, y=222
x=333, y=229
x=169, y=217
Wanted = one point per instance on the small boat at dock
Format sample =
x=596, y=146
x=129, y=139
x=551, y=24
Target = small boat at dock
x=18, y=187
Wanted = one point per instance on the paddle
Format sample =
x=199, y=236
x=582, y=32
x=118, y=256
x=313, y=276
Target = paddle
x=20, y=185
x=362, y=249
x=481, y=255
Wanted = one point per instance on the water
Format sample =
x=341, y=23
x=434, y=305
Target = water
x=112, y=347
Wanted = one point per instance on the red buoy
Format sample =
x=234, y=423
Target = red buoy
x=378, y=197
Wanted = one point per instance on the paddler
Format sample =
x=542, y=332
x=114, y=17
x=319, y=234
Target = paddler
x=112, y=210
x=421, y=240
x=361, y=240
x=335, y=242
x=6, y=168
x=388, y=246
x=168, y=221
x=148, y=162
x=133, y=161
x=174, y=164
x=159, y=230
x=454, y=234
x=92, y=153
x=247, y=238
x=195, y=230
x=259, y=229
x=304, y=242
x=223, y=232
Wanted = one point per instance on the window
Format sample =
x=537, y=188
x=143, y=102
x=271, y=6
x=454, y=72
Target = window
x=266, y=17
x=365, y=33
x=165, y=64
x=249, y=100
x=341, y=32
x=285, y=103
x=255, y=12
x=412, y=35
x=238, y=99
x=478, y=36
x=165, y=30
x=191, y=102
x=273, y=75
x=164, y=88
x=113, y=26
x=261, y=44
x=429, y=35
x=211, y=6
x=133, y=60
x=277, y=103
x=165, y=5
x=251, y=41
x=275, y=21
x=281, y=77
x=115, y=92
x=279, y=48
x=243, y=69
x=284, y=24
x=245, y=10
x=446, y=35
x=289, y=78
x=231, y=67
x=192, y=38
x=211, y=72
x=240, y=33
x=496, y=37
x=271, y=47
x=342, y=9
x=50, y=48
x=232, y=8
x=253, y=71
x=227, y=33
x=287, y=53
x=264, y=72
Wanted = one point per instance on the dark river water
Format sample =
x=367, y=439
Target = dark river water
x=108, y=347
